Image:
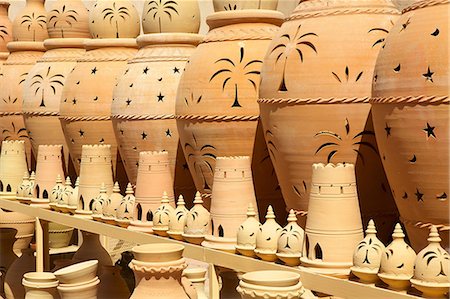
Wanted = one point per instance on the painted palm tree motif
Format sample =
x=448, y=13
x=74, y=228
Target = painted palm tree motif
x=230, y=7
x=64, y=16
x=162, y=8
x=191, y=99
x=292, y=236
x=115, y=14
x=203, y=159
x=346, y=76
x=13, y=133
x=345, y=143
x=3, y=32
x=239, y=71
x=439, y=256
x=288, y=44
x=33, y=21
x=160, y=213
x=372, y=250
x=41, y=83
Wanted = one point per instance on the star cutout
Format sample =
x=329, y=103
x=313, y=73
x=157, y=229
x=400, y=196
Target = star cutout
x=185, y=166
x=176, y=70
x=96, y=98
x=405, y=196
x=131, y=85
x=168, y=133
x=418, y=195
x=144, y=136
x=428, y=75
x=78, y=83
x=405, y=25
x=137, y=164
x=81, y=133
x=146, y=70
x=102, y=140
x=94, y=70
x=429, y=130
x=388, y=130
x=74, y=101
x=128, y=102
x=121, y=132
x=160, y=97
x=126, y=72
x=73, y=141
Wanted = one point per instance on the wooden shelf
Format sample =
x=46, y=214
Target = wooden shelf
x=320, y=283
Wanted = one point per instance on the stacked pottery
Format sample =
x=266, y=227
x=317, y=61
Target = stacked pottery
x=86, y=99
x=7, y=239
x=91, y=248
x=333, y=228
x=198, y=222
x=40, y=285
x=78, y=280
x=59, y=235
x=67, y=26
x=13, y=165
x=13, y=285
x=246, y=234
x=232, y=192
x=270, y=285
x=111, y=204
x=290, y=242
x=367, y=256
x=158, y=269
x=197, y=276
x=5, y=31
x=124, y=213
x=431, y=268
x=154, y=178
x=216, y=109
x=329, y=113
x=410, y=110
x=178, y=220
x=143, y=109
x=397, y=262
x=221, y=5
x=162, y=217
x=112, y=284
x=267, y=238
x=29, y=32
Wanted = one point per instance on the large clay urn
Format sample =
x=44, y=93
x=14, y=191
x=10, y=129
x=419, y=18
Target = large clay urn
x=216, y=109
x=314, y=100
x=29, y=32
x=85, y=110
x=221, y=5
x=67, y=26
x=411, y=115
x=143, y=109
x=5, y=31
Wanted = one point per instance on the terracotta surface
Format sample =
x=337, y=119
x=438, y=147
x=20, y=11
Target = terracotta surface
x=217, y=113
x=143, y=109
x=5, y=31
x=78, y=280
x=171, y=16
x=411, y=115
x=267, y=238
x=49, y=166
x=30, y=23
x=24, y=225
x=246, y=234
x=98, y=203
x=40, y=285
x=327, y=117
x=290, y=243
x=197, y=276
x=13, y=165
x=220, y=5
x=112, y=284
x=13, y=278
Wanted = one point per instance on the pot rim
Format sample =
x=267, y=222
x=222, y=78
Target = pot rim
x=58, y=43
x=158, y=252
x=92, y=44
x=73, y=271
x=169, y=38
x=25, y=46
x=273, y=278
x=225, y=18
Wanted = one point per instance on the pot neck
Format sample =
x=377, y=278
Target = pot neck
x=227, y=18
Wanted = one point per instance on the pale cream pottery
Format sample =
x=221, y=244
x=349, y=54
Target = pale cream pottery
x=397, y=262
x=40, y=285
x=171, y=16
x=73, y=200
x=162, y=217
x=197, y=276
x=246, y=234
x=270, y=285
x=63, y=203
x=367, y=256
x=31, y=191
x=198, y=222
x=59, y=235
x=78, y=280
x=49, y=166
x=22, y=188
x=333, y=226
x=99, y=203
x=432, y=268
x=290, y=242
x=124, y=213
x=178, y=220
x=56, y=192
x=112, y=285
x=25, y=263
x=24, y=225
x=221, y=5
x=111, y=204
x=267, y=238
x=13, y=165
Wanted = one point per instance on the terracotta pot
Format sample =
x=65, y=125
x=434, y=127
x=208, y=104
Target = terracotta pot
x=197, y=276
x=112, y=284
x=13, y=279
x=111, y=204
x=68, y=19
x=5, y=31
x=88, y=93
x=157, y=269
x=232, y=192
x=143, y=109
x=125, y=211
x=165, y=16
x=162, y=217
x=198, y=222
x=40, y=285
x=78, y=280
x=220, y=5
x=30, y=23
x=13, y=165
x=24, y=225
x=410, y=109
x=178, y=220
x=290, y=243
x=246, y=234
x=7, y=239
x=267, y=238
x=217, y=113
x=59, y=235
x=270, y=284
x=91, y=248
x=328, y=113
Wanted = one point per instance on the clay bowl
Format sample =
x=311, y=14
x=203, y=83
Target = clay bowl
x=271, y=278
x=77, y=273
x=158, y=253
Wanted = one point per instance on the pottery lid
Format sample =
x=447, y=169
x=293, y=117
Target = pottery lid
x=25, y=46
x=92, y=44
x=58, y=43
x=169, y=38
x=272, y=278
x=225, y=18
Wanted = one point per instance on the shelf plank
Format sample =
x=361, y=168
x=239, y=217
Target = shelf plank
x=313, y=281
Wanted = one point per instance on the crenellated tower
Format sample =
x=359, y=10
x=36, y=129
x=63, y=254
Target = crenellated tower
x=13, y=165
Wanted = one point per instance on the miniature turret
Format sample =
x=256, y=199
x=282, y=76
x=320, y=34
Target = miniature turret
x=13, y=164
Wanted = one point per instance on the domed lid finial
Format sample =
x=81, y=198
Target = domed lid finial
x=292, y=217
x=398, y=232
x=198, y=198
x=251, y=211
x=371, y=229
x=68, y=181
x=129, y=189
x=33, y=177
x=103, y=188
x=165, y=198
x=270, y=214
x=58, y=179
x=116, y=188
x=77, y=182
x=180, y=201
x=434, y=237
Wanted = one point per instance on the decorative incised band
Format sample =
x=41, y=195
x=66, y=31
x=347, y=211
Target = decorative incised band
x=60, y=59
x=41, y=113
x=424, y=3
x=86, y=118
x=148, y=268
x=219, y=35
x=143, y=117
x=160, y=58
x=218, y=117
x=306, y=101
x=421, y=100
x=343, y=11
x=10, y=113
x=273, y=294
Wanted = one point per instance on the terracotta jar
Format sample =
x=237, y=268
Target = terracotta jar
x=197, y=276
x=112, y=284
x=267, y=237
x=29, y=32
x=5, y=31
x=329, y=112
x=143, y=109
x=24, y=225
x=13, y=165
x=91, y=248
x=290, y=243
x=198, y=222
x=246, y=234
x=67, y=28
x=221, y=5
x=176, y=16
x=410, y=110
x=7, y=239
x=124, y=213
x=59, y=235
x=431, y=268
x=216, y=109
x=232, y=192
x=178, y=220
x=334, y=227
x=40, y=285
x=85, y=110
x=13, y=278
x=270, y=285
x=157, y=269
x=162, y=217
x=111, y=204
x=78, y=280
